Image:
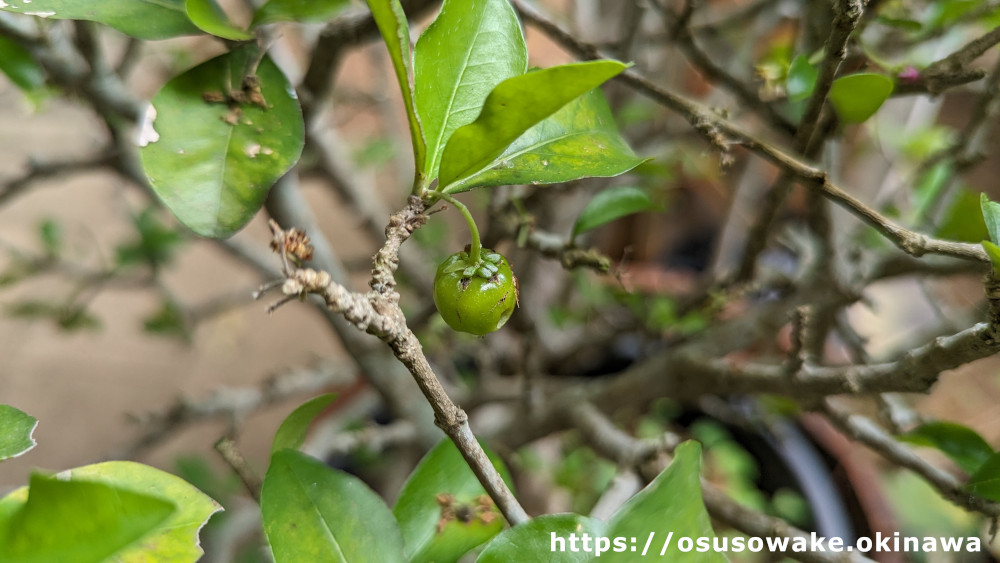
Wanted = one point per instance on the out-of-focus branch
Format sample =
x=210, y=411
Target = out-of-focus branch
x=968, y=148
x=909, y=241
x=68, y=68
x=868, y=433
x=737, y=17
x=553, y=246
x=687, y=372
x=231, y=404
x=373, y=439
x=44, y=170
x=896, y=265
x=623, y=448
x=343, y=32
x=952, y=70
x=746, y=93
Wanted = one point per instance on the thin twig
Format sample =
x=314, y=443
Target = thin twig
x=233, y=457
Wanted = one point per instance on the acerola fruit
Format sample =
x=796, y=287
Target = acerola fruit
x=475, y=298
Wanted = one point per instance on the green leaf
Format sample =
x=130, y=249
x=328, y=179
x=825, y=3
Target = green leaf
x=155, y=245
x=420, y=510
x=298, y=11
x=532, y=541
x=68, y=316
x=985, y=482
x=292, y=432
x=175, y=539
x=611, y=204
x=168, y=320
x=991, y=215
x=212, y=164
x=904, y=24
x=993, y=251
x=76, y=521
x=801, y=79
x=578, y=141
x=962, y=444
x=963, y=221
x=858, y=96
x=16, y=428
x=210, y=18
x=513, y=107
x=929, y=187
x=673, y=502
x=19, y=66
x=313, y=513
x=395, y=32
x=143, y=19
x=50, y=234
x=469, y=49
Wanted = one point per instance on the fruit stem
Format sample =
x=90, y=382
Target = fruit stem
x=475, y=250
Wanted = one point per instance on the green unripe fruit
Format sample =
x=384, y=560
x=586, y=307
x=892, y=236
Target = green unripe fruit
x=475, y=298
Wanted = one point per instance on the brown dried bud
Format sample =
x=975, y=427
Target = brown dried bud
x=293, y=242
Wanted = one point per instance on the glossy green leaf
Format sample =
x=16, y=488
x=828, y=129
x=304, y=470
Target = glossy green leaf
x=212, y=164
x=210, y=18
x=991, y=214
x=857, y=97
x=76, y=521
x=985, y=482
x=469, y=49
x=143, y=19
x=532, y=541
x=904, y=24
x=298, y=10
x=395, y=32
x=18, y=65
x=993, y=251
x=292, y=432
x=175, y=539
x=16, y=428
x=963, y=221
x=313, y=513
x=420, y=510
x=512, y=108
x=801, y=78
x=578, y=141
x=611, y=204
x=962, y=444
x=670, y=504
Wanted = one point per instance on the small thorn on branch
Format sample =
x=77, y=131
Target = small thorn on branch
x=274, y=306
x=263, y=289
